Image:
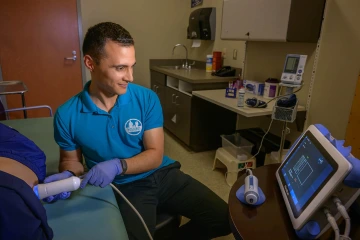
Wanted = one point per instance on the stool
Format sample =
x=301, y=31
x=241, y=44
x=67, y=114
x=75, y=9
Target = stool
x=166, y=225
x=232, y=164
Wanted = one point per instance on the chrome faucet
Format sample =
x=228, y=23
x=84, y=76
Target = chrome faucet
x=186, y=61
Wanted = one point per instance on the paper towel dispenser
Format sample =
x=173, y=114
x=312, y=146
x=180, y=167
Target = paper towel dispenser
x=202, y=24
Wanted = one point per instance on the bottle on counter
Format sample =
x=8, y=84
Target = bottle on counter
x=241, y=98
x=239, y=82
x=216, y=61
x=209, y=61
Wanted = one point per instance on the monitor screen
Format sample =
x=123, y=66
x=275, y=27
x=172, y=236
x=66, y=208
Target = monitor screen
x=291, y=64
x=308, y=168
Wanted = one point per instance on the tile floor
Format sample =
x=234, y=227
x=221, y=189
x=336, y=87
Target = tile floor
x=199, y=166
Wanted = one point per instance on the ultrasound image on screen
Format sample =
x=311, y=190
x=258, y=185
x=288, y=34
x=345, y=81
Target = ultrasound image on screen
x=304, y=172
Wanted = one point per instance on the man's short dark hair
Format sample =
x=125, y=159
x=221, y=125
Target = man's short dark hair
x=97, y=36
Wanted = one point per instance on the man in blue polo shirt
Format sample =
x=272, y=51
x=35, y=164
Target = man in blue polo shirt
x=117, y=126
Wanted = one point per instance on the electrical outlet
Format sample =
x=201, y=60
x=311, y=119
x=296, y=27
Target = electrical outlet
x=234, y=54
x=224, y=53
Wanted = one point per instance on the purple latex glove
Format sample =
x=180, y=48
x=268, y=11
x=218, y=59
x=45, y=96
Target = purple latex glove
x=54, y=178
x=102, y=174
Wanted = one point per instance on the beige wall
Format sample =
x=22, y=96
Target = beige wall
x=336, y=74
x=155, y=25
x=266, y=59
x=207, y=47
x=338, y=67
x=158, y=25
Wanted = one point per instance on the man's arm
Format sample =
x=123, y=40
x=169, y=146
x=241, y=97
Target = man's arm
x=152, y=156
x=71, y=160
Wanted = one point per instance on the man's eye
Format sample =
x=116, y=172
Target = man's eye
x=120, y=68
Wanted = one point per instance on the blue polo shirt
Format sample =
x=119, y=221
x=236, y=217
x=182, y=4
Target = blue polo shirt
x=101, y=136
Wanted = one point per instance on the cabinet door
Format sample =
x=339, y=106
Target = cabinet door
x=153, y=86
x=170, y=116
x=183, y=109
x=158, y=77
x=160, y=91
x=255, y=20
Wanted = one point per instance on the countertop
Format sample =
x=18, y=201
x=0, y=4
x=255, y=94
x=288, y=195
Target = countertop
x=218, y=97
x=192, y=76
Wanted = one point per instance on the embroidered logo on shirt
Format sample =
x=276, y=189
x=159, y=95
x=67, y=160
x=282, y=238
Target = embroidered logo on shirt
x=133, y=126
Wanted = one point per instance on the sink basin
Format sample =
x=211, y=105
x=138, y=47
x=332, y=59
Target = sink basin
x=172, y=67
x=178, y=68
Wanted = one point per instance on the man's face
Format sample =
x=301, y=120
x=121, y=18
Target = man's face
x=115, y=69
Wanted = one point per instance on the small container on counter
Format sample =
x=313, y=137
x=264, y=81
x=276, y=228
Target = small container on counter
x=241, y=98
x=271, y=88
x=216, y=61
x=209, y=61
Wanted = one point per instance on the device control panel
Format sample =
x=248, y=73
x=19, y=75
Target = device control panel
x=293, y=69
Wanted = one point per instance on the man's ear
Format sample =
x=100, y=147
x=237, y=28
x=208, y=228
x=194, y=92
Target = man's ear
x=89, y=62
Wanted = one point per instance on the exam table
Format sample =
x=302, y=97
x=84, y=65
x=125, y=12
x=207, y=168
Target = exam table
x=90, y=213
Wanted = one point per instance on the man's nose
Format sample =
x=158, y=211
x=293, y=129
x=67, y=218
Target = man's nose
x=129, y=75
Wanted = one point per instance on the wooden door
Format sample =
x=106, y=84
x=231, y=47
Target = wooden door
x=353, y=129
x=35, y=37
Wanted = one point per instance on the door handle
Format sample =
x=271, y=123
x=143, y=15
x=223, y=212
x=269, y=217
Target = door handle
x=73, y=57
x=157, y=87
x=176, y=100
x=154, y=88
x=172, y=98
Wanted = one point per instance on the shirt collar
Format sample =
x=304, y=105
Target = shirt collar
x=89, y=105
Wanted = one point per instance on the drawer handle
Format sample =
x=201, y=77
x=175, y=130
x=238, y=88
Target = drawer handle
x=176, y=100
x=172, y=98
x=157, y=87
x=154, y=88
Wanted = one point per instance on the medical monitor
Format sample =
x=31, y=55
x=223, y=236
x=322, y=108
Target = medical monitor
x=293, y=69
x=309, y=174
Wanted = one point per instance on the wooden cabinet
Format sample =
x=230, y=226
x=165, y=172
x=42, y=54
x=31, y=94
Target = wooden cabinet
x=183, y=111
x=177, y=114
x=169, y=110
x=198, y=124
x=158, y=85
x=276, y=20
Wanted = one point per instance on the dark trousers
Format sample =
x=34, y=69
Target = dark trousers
x=175, y=192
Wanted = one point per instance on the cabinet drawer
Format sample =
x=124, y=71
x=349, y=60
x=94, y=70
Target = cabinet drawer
x=157, y=77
